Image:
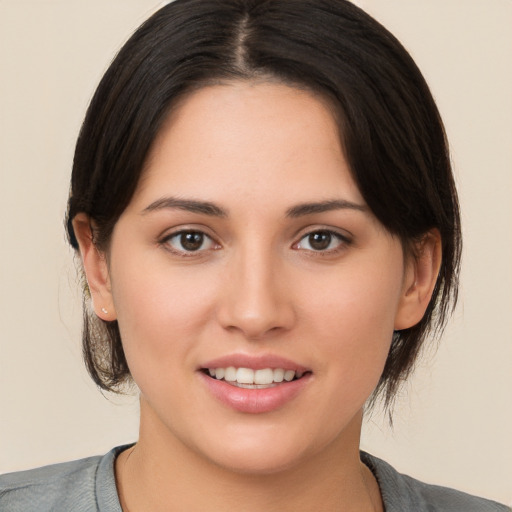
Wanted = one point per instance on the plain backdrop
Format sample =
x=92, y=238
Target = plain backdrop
x=453, y=422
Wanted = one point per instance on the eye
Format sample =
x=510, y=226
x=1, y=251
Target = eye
x=321, y=241
x=190, y=241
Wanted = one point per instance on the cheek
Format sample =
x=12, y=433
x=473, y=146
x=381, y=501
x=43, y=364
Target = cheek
x=353, y=319
x=161, y=313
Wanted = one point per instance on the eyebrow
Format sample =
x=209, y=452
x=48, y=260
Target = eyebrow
x=213, y=210
x=324, y=206
x=189, y=205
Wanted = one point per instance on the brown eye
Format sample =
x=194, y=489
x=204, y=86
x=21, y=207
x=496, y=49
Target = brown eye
x=322, y=240
x=190, y=241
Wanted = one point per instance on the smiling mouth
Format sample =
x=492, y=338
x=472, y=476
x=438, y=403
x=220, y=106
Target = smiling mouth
x=254, y=379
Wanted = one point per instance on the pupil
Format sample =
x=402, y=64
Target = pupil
x=320, y=240
x=192, y=241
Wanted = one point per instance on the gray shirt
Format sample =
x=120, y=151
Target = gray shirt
x=89, y=485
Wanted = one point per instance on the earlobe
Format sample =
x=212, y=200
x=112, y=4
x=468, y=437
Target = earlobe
x=95, y=268
x=420, y=276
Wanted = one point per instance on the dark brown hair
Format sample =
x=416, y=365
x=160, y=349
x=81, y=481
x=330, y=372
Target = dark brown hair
x=391, y=131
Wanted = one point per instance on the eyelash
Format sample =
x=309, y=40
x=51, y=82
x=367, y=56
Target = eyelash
x=186, y=253
x=342, y=241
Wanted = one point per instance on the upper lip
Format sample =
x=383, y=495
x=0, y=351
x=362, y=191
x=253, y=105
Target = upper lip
x=254, y=362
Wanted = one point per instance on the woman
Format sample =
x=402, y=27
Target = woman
x=265, y=212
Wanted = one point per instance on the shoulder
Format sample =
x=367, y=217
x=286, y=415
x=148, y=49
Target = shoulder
x=78, y=486
x=70, y=484
x=401, y=493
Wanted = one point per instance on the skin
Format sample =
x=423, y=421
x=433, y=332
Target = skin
x=256, y=286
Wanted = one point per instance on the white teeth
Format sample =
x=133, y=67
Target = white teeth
x=265, y=376
x=278, y=375
x=288, y=375
x=230, y=374
x=247, y=377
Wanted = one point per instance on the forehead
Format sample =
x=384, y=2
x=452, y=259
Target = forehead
x=252, y=138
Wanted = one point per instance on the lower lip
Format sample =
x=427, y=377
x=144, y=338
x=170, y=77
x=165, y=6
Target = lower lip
x=255, y=401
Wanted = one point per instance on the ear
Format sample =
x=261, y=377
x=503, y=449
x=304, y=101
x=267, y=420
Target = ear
x=96, y=269
x=420, y=276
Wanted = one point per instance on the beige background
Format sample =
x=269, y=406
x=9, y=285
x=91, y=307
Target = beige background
x=453, y=424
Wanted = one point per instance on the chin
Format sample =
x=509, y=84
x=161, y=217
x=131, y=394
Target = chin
x=258, y=462
x=267, y=450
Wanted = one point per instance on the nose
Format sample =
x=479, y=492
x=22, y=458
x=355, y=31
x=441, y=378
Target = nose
x=257, y=300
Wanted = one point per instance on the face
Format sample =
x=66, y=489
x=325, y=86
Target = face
x=256, y=294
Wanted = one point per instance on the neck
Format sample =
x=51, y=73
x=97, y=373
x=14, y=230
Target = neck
x=162, y=473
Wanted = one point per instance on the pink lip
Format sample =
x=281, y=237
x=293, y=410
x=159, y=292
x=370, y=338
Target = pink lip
x=254, y=362
x=254, y=401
